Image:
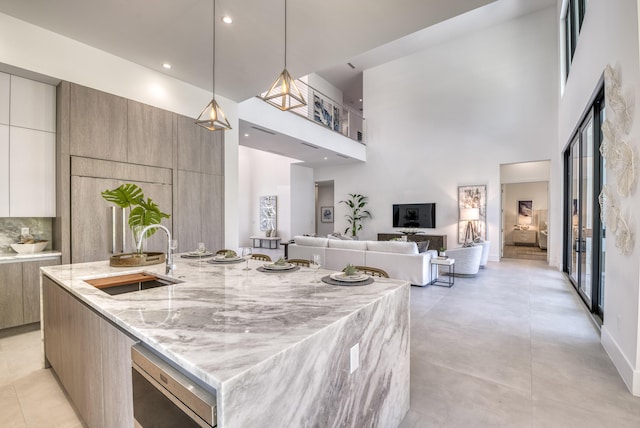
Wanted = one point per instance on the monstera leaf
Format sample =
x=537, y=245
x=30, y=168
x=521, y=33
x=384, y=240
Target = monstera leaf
x=143, y=212
x=124, y=196
x=146, y=213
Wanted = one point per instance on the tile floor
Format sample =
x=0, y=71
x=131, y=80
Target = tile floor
x=512, y=347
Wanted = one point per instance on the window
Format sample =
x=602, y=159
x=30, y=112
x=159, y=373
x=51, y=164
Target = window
x=574, y=15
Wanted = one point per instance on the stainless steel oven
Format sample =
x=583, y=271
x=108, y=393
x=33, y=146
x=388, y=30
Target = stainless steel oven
x=165, y=397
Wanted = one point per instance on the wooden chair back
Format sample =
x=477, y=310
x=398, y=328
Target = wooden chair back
x=299, y=262
x=224, y=251
x=261, y=257
x=372, y=271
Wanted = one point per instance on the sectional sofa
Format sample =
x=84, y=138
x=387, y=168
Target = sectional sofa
x=400, y=260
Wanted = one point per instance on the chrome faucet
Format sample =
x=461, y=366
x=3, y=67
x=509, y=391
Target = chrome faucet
x=169, y=261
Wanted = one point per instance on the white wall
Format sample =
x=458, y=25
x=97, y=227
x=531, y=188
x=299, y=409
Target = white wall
x=263, y=174
x=35, y=49
x=514, y=192
x=610, y=36
x=449, y=116
x=303, y=201
x=324, y=198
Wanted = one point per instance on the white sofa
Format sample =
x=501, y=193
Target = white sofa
x=400, y=260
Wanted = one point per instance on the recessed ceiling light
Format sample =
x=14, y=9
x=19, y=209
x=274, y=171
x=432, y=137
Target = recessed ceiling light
x=360, y=99
x=325, y=158
x=227, y=19
x=166, y=65
x=246, y=135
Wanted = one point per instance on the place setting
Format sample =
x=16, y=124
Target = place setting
x=279, y=266
x=200, y=253
x=228, y=258
x=351, y=276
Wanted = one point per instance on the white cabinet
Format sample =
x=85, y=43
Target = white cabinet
x=4, y=98
x=4, y=171
x=32, y=173
x=524, y=237
x=33, y=104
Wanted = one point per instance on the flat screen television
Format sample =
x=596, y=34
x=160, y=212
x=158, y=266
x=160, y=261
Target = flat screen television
x=414, y=215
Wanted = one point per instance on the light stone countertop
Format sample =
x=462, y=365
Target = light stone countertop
x=222, y=321
x=15, y=257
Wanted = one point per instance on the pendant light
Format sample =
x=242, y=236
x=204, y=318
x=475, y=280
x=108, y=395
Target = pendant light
x=212, y=117
x=284, y=93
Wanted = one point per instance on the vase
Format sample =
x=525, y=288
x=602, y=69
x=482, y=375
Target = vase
x=136, y=231
x=267, y=233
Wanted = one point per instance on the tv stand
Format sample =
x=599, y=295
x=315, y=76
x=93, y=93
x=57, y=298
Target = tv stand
x=435, y=241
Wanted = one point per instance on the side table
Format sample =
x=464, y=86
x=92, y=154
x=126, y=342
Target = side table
x=272, y=242
x=437, y=262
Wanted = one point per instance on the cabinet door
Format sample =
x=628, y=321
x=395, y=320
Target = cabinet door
x=189, y=212
x=212, y=153
x=150, y=135
x=5, y=82
x=97, y=124
x=73, y=348
x=189, y=141
x=212, y=206
x=91, y=219
x=33, y=104
x=116, y=366
x=10, y=295
x=4, y=170
x=32, y=176
x=92, y=223
x=31, y=288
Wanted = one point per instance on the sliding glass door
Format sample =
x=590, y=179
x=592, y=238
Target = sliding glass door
x=584, y=233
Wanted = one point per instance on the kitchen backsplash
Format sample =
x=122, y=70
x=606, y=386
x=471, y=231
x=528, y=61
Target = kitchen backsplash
x=39, y=227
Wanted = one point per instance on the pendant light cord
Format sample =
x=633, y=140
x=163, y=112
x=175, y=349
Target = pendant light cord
x=213, y=51
x=285, y=34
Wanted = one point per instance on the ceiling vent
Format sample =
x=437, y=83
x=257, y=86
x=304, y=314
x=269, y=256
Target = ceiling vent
x=343, y=156
x=353, y=67
x=309, y=145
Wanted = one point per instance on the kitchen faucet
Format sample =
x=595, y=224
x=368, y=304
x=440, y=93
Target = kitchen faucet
x=169, y=269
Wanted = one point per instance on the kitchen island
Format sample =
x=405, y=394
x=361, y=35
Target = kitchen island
x=278, y=349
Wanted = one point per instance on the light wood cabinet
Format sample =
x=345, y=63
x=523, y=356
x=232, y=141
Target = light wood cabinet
x=32, y=173
x=524, y=237
x=97, y=124
x=11, y=295
x=198, y=149
x=31, y=288
x=149, y=135
x=91, y=357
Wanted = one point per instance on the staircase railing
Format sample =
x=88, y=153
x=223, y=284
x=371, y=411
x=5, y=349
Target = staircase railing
x=329, y=113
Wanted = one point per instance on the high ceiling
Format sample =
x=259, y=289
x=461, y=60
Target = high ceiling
x=250, y=50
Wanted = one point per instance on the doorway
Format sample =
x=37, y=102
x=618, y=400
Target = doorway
x=525, y=202
x=325, y=208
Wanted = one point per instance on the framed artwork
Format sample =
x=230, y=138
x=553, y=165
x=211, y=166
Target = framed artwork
x=326, y=214
x=268, y=212
x=525, y=212
x=473, y=197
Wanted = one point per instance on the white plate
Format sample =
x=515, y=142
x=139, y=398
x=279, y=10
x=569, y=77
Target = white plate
x=197, y=254
x=227, y=259
x=271, y=266
x=340, y=276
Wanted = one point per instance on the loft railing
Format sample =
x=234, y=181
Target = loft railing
x=326, y=112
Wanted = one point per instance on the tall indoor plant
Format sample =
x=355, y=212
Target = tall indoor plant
x=143, y=212
x=356, y=204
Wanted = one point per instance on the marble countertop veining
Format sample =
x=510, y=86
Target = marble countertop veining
x=15, y=257
x=222, y=321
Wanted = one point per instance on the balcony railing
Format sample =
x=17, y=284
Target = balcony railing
x=328, y=113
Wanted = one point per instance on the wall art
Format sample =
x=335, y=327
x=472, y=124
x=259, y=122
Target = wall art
x=268, y=212
x=473, y=197
x=326, y=214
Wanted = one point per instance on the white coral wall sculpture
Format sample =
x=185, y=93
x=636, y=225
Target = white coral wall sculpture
x=619, y=158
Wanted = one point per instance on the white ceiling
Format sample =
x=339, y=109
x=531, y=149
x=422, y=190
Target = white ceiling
x=322, y=37
x=250, y=51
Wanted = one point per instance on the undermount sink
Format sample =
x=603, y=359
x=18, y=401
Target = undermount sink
x=129, y=283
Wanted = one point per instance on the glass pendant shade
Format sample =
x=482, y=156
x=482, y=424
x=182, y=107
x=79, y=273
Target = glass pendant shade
x=213, y=118
x=284, y=93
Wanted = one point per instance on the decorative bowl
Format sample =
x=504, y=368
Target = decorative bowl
x=29, y=248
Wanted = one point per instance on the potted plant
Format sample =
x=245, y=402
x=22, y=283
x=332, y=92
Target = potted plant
x=356, y=204
x=442, y=253
x=143, y=212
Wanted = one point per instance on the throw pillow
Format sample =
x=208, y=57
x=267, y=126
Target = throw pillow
x=423, y=246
